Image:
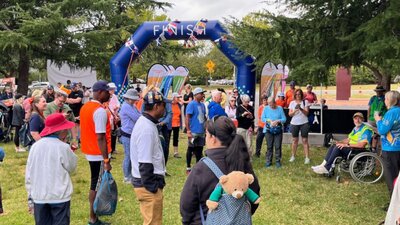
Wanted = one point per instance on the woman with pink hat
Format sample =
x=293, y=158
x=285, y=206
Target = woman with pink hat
x=51, y=194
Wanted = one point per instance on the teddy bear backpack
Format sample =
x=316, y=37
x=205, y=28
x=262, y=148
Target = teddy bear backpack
x=230, y=211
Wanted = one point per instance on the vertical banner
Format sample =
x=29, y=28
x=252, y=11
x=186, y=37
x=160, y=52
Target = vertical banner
x=285, y=76
x=180, y=76
x=156, y=74
x=267, y=80
x=167, y=80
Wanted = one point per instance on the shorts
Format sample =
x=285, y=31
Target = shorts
x=96, y=168
x=304, y=128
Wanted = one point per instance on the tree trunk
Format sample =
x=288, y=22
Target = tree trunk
x=23, y=72
x=385, y=81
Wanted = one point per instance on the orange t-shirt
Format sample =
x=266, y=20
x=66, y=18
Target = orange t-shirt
x=260, y=111
x=289, y=96
x=281, y=103
x=139, y=104
x=176, y=115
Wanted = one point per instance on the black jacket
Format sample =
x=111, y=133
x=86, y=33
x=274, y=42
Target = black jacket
x=199, y=185
x=244, y=122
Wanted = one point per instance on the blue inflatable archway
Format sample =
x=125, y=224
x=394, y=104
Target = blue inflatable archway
x=150, y=31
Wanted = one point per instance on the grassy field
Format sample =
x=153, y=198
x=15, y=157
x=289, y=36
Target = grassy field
x=291, y=195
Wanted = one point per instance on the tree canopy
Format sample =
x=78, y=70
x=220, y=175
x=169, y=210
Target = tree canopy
x=326, y=34
x=81, y=33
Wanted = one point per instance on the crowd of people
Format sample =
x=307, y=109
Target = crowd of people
x=72, y=116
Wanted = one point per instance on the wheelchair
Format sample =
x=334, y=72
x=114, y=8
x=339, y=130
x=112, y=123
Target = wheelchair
x=364, y=165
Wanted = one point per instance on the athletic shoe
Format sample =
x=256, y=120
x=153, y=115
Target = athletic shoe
x=321, y=170
x=188, y=170
x=278, y=165
x=267, y=165
x=307, y=161
x=127, y=180
x=292, y=158
x=176, y=155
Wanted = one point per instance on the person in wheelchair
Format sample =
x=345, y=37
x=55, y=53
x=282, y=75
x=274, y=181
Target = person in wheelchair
x=359, y=138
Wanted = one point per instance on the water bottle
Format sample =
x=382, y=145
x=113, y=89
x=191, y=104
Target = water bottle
x=30, y=206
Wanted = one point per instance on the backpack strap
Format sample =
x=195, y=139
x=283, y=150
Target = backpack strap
x=212, y=166
x=217, y=172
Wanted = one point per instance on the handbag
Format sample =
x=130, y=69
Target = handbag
x=274, y=130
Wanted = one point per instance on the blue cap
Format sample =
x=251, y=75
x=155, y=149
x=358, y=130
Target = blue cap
x=153, y=97
x=101, y=85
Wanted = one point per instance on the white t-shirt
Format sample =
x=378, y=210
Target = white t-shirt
x=299, y=118
x=100, y=127
x=145, y=147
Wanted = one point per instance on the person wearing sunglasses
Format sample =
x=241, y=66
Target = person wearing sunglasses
x=298, y=110
x=228, y=151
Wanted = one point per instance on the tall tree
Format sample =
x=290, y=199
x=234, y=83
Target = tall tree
x=82, y=33
x=326, y=34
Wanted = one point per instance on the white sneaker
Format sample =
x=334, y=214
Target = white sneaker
x=322, y=164
x=321, y=170
x=307, y=161
x=292, y=158
x=127, y=180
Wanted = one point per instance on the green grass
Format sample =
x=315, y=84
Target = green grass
x=291, y=195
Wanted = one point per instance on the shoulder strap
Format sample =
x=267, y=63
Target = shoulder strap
x=213, y=167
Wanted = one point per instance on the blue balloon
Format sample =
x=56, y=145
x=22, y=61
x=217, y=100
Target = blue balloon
x=2, y=154
x=214, y=31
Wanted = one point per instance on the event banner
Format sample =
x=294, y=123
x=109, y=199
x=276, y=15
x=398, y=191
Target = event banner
x=180, y=75
x=273, y=79
x=156, y=74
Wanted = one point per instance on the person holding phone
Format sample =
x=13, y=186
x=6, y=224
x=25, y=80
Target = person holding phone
x=298, y=110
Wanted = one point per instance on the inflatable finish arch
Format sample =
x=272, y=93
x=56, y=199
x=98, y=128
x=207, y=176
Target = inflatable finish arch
x=149, y=31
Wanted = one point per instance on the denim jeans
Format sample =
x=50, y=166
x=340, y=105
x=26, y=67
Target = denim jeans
x=126, y=164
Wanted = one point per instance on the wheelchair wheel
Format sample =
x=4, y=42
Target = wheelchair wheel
x=366, y=167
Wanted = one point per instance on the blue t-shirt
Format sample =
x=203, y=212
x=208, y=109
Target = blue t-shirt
x=389, y=128
x=36, y=123
x=197, y=110
x=270, y=114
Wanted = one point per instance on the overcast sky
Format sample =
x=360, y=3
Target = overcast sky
x=215, y=9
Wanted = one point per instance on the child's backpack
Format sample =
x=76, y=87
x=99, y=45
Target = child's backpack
x=230, y=211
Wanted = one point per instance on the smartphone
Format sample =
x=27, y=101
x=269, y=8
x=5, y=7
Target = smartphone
x=298, y=106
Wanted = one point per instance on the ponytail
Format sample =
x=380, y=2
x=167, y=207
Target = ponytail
x=237, y=157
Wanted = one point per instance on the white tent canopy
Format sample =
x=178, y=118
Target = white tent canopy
x=61, y=74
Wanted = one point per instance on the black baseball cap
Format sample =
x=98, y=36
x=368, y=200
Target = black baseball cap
x=101, y=85
x=153, y=97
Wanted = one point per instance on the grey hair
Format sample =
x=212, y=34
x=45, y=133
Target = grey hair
x=245, y=98
x=215, y=93
x=393, y=97
x=271, y=99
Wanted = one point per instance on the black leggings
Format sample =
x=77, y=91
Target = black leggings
x=198, y=152
x=16, y=136
x=94, y=174
x=175, y=133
